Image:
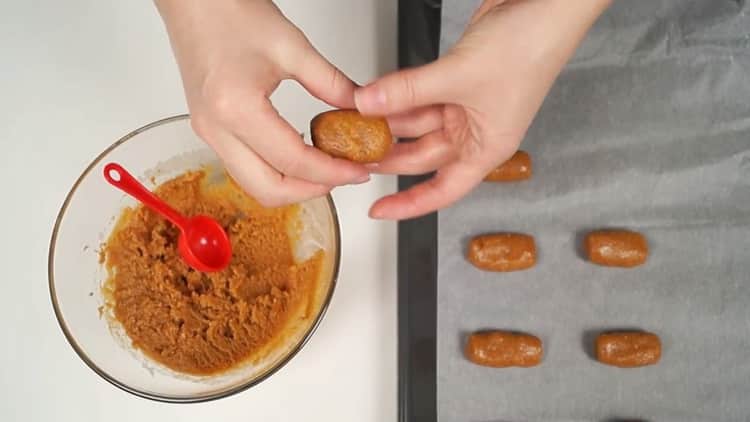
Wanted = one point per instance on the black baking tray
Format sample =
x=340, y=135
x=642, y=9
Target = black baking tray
x=418, y=43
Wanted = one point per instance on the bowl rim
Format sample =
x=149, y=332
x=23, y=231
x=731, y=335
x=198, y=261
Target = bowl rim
x=168, y=398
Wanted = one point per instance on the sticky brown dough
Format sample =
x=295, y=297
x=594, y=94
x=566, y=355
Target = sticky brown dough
x=502, y=349
x=502, y=252
x=348, y=134
x=201, y=323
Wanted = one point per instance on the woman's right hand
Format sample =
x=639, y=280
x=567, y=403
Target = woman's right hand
x=232, y=55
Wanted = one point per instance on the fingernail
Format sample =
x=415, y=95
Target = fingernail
x=372, y=166
x=362, y=179
x=369, y=98
x=376, y=214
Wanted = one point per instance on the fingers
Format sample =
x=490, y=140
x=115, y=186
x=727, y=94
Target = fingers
x=416, y=122
x=424, y=155
x=273, y=139
x=408, y=89
x=449, y=184
x=323, y=80
x=258, y=179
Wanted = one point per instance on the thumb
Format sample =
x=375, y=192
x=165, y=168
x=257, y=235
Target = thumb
x=406, y=89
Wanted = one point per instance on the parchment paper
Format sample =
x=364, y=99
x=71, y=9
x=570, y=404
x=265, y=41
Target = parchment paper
x=647, y=129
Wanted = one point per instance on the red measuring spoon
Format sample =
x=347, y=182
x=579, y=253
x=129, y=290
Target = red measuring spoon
x=203, y=243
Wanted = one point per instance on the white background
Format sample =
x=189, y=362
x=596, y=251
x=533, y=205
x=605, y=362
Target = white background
x=75, y=76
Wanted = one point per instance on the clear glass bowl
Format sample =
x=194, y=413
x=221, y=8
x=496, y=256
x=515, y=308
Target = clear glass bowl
x=155, y=153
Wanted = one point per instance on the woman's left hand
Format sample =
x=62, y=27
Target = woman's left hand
x=471, y=108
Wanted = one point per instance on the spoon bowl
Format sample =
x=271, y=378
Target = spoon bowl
x=203, y=244
x=204, y=241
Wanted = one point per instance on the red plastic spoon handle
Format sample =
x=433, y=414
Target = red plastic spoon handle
x=121, y=179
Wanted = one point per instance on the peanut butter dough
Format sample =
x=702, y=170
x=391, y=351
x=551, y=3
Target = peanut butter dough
x=518, y=167
x=199, y=323
x=616, y=248
x=350, y=135
x=502, y=349
x=628, y=349
x=502, y=252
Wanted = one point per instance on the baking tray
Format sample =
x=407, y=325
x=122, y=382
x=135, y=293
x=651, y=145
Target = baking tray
x=648, y=128
x=418, y=42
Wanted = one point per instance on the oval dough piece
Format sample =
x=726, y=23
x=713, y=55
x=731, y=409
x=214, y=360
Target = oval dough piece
x=350, y=135
x=616, y=248
x=502, y=349
x=518, y=167
x=502, y=252
x=628, y=349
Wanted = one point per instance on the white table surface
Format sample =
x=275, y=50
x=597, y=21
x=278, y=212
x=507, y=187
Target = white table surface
x=75, y=76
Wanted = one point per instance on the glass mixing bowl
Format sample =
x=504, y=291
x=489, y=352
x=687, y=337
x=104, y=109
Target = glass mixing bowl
x=155, y=153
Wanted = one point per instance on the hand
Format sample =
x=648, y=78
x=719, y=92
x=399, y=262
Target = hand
x=232, y=55
x=471, y=108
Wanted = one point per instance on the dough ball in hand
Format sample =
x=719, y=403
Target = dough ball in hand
x=348, y=134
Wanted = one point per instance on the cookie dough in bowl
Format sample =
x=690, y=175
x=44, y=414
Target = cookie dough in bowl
x=142, y=319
